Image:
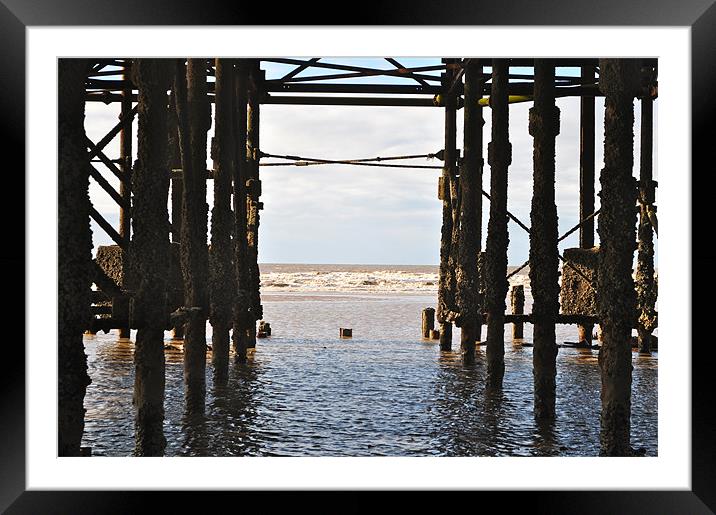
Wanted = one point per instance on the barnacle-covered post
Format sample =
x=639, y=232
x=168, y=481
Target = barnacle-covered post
x=446, y=192
x=544, y=256
x=253, y=191
x=470, y=234
x=194, y=117
x=646, y=288
x=125, y=190
x=149, y=251
x=499, y=155
x=242, y=316
x=616, y=296
x=74, y=253
x=222, y=279
x=176, y=194
x=586, y=179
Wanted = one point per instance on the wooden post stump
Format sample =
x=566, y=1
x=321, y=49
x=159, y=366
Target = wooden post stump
x=428, y=321
x=264, y=329
x=517, y=298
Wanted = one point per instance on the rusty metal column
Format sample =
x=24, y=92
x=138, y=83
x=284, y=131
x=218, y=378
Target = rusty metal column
x=150, y=252
x=74, y=254
x=586, y=180
x=447, y=189
x=646, y=287
x=616, y=297
x=467, y=279
x=125, y=190
x=242, y=316
x=499, y=155
x=544, y=256
x=253, y=191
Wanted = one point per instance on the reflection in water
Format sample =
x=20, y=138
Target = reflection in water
x=545, y=438
x=234, y=412
x=385, y=392
x=194, y=431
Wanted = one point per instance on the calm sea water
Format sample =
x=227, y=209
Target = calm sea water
x=385, y=392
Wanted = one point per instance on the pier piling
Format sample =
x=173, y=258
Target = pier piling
x=544, y=255
x=499, y=157
x=446, y=278
x=242, y=316
x=176, y=193
x=150, y=252
x=125, y=165
x=470, y=226
x=74, y=254
x=587, y=142
x=222, y=277
x=616, y=297
x=645, y=281
x=194, y=118
x=253, y=190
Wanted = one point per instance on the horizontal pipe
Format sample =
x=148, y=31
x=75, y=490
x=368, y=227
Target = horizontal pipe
x=349, y=101
x=381, y=89
x=521, y=89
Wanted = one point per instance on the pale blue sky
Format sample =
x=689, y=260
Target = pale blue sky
x=356, y=214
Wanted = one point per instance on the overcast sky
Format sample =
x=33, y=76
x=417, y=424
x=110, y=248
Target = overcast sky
x=357, y=214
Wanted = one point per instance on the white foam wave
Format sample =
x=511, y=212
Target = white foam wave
x=358, y=281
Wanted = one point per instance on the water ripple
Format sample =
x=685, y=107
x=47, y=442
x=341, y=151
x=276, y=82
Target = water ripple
x=305, y=392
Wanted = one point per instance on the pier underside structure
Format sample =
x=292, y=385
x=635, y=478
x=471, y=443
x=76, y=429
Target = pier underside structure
x=161, y=275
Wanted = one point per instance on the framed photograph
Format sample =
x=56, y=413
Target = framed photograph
x=328, y=102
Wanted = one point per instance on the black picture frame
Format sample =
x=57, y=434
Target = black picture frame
x=16, y=15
